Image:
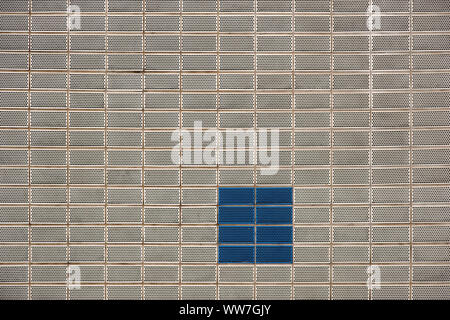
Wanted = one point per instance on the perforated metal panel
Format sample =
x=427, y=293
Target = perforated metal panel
x=87, y=147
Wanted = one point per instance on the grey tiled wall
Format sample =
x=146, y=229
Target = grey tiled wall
x=86, y=117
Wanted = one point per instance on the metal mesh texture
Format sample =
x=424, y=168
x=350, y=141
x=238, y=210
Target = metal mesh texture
x=87, y=176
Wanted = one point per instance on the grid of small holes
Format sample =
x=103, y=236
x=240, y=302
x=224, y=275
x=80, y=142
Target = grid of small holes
x=366, y=151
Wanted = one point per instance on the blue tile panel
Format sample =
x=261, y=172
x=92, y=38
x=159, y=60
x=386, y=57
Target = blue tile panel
x=269, y=235
x=274, y=196
x=231, y=234
x=236, y=254
x=261, y=224
x=274, y=215
x=236, y=196
x=273, y=254
x=236, y=215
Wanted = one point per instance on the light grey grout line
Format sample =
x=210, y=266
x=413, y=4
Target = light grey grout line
x=345, y=148
x=426, y=223
x=208, y=225
x=166, y=129
x=237, y=284
x=247, y=13
x=217, y=153
x=331, y=142
x=209, y=186
x=370, y=145
x=180, y=213
x=303, y=167
x=209, y=245
x=411, y=106
x=202, y=13
x=231, y=53
x=229, y=91
x=105, y=155
x=212, y=33
x=212, y=245
x=255, y=125
x=67, y=148
x=293, y=65
x=29, y=149
x=136, y=283
x=144, y=4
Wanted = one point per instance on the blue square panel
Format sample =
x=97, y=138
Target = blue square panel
x=274, y=215
x=232, y=234
x=274, y=234
x=236, y=254
x=274, y=196
x=236, y=215
x=273, y=254
x=236, y=196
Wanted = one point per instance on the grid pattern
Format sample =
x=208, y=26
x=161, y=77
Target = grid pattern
x=255, y=225
x=86, y=119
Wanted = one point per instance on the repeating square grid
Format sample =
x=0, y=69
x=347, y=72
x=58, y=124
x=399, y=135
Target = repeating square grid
x=86, y=117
